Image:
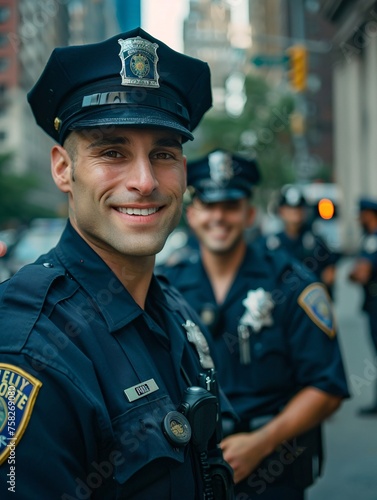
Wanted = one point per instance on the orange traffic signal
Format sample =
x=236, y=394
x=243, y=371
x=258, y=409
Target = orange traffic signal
x=298, y=67
x=326, y=208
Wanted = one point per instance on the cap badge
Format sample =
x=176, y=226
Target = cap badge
x=139, y=62
x=220, y=167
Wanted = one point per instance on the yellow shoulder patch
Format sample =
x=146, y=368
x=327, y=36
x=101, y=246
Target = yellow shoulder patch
x=18, y=392
x=317, y=304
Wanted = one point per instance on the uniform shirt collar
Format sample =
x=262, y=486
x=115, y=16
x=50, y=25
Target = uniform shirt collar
x=107, y=293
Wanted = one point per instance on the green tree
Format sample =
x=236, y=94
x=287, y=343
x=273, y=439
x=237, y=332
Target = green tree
x=14, y=193
x=262, y=130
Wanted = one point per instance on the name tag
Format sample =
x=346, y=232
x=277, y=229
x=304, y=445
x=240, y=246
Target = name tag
x=140, y=390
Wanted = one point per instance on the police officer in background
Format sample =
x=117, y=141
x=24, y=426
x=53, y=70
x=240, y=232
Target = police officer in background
x=364, y=272
x=299, y=240
x=108, y=388
x=273, y=329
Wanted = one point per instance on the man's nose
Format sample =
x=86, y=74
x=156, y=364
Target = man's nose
x=141, y=176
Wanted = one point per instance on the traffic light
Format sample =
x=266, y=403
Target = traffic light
x=298, y=67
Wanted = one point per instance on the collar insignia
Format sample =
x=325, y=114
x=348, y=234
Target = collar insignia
x=139, y=62
x=259, y=305
x=196, y=337
x=220, y=167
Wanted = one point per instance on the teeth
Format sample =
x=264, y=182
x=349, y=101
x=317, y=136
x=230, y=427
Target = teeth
x=138, y=211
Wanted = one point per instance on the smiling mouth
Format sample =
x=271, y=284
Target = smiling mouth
x=138, y=211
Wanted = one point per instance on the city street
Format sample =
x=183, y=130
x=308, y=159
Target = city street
x=351, y=441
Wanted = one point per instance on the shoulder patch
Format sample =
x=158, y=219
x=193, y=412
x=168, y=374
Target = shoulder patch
x=18, y=392
x=318, y=306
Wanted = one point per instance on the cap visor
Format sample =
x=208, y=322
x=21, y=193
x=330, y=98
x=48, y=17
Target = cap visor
x=130, y=116
x=221, y=195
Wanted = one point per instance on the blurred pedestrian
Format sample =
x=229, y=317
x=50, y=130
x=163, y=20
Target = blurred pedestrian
x=108, y=388
x=274, y=335
x=298, y=238
x=364, y=272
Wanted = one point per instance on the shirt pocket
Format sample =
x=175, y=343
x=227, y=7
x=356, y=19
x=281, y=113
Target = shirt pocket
x=140, y=438
x=270, y=361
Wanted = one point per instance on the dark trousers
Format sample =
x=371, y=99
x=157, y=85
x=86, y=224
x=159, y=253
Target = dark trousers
x=261, y=489
x=372, y=317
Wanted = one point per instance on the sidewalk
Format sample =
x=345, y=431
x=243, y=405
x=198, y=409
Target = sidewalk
x=350, y=471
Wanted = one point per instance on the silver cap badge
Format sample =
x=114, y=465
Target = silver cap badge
x=139, y=62
x=220, y=167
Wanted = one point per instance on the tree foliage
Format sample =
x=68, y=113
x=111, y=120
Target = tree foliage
x=14, y=194
x=262, y=130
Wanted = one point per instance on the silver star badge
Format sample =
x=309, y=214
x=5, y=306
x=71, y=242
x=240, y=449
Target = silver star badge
x=258, y=304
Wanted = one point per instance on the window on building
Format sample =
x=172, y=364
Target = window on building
x=3, y=40
x=4, y=64
x=4, y=14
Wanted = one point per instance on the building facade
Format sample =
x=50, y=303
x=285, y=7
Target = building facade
x=354, y=67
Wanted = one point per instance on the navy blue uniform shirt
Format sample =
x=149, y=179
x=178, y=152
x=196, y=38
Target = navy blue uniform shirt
x=293, y=343
x=72, y=341
x=368, y=251
x=307, y=247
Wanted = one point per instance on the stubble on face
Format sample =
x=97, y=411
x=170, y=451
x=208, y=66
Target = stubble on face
x=100, y=187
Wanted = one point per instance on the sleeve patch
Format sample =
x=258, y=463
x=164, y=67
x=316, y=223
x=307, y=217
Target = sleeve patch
x=18, y=393
x=318, y=306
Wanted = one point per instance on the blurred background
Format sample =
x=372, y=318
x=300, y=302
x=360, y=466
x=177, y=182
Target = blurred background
x=294, y=83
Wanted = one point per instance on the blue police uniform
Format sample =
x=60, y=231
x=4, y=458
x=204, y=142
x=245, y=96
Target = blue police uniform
x=90, y=383
x=368, y=252
x=307, y=247
x=273, y=334
x=94, y=377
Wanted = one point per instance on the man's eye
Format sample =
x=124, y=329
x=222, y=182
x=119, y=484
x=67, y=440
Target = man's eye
x=112, y=154
x=163, y=156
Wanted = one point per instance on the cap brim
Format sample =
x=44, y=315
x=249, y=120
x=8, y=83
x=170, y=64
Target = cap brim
x=129, y=116
x=221, y=195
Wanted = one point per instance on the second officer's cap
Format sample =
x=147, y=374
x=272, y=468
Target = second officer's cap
x=131, y=79
x=368, y=204
x=291, y=196
x=222, y=176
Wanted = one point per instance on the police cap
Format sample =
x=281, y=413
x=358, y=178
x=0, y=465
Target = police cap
x=131, y=79
x=222, y=176
x=367, y=204
x=291, y=196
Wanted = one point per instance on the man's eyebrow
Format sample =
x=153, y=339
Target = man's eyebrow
x=169, y=142
x=108, y=141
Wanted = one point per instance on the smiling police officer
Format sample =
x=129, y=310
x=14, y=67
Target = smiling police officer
x=273, y=329
x=102, y=366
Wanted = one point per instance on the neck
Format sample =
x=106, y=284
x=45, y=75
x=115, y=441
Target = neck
x=222, y=268
x=292, y=230
x=134, y=273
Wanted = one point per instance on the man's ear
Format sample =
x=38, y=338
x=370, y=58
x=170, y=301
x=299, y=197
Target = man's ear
x=252, y=213
x=61, y=168
x=188, y=214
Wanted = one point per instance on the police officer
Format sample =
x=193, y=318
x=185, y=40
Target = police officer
x=364, y=272
x=275, y=341
x=101, y=364
x=299, y=239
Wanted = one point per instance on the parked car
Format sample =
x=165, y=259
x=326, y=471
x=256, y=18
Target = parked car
x=37, y=239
